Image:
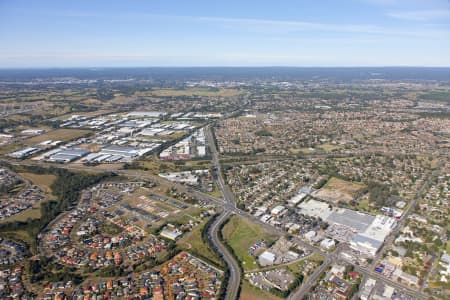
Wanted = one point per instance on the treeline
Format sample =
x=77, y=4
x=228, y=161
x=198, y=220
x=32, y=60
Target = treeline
x=43, y=269
x=68, y=185
x=208, y=242
x=263, y=132
x=66, y=188
x=379, y=193
x=152, y=262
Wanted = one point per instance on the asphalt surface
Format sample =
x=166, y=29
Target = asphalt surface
x=227, y=203
x=234, y=270
x=368, y=271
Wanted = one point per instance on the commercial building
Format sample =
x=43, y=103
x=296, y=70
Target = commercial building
x=355, y=220
x=190, y=147
x=187, y=177
x=296, y=199
x=370, y=240
x=266, y=258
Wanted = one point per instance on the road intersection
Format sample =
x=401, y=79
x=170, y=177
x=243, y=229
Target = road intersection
x=228, y=206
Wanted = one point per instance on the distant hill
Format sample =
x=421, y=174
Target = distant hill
x=233, y=73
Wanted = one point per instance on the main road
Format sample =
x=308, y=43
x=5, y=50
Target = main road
x=227, y=203
x=368, y=271
x=233, y=267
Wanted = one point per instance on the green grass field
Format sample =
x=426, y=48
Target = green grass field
x=240, y=234
x=44, y=181
x=57, y=135
x=364, y=205
x=329, y=147
x=249, y=292
x=30, y=213
x=193, y=243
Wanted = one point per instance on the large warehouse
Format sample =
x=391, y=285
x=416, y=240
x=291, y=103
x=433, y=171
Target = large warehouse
x=370, y=241
x=369, y=231
x=68, y=155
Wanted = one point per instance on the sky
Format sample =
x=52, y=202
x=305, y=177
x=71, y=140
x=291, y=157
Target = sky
x=143, y=33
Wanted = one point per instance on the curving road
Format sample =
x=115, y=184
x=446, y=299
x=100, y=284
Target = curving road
x=234, y=270
x=228, y=205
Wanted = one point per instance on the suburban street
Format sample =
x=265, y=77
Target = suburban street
x=227, y=204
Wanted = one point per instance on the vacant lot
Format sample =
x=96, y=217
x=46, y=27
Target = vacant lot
x=329, y=147
x=241, y=234
x=44, y=181
x=339, y=190
x=250, y=292
x=156, y=166
x=58, y=135
x=298, y=266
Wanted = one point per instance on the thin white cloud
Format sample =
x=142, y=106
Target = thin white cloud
x=270, y=26
x=290, y=25
x=281, y=26
x=421, y=15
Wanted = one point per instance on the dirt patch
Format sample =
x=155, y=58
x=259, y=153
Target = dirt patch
x=340, y=190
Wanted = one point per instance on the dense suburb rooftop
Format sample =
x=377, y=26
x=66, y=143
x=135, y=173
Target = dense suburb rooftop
x=251, y=150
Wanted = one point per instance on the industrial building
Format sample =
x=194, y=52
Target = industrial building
x=190, y=147
x=296, y=199
x=147, y=114
x=68, y=155
x=187, y=177
x=24, y=153
x=266, y=258
x=115, y=153
x=33, y=131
